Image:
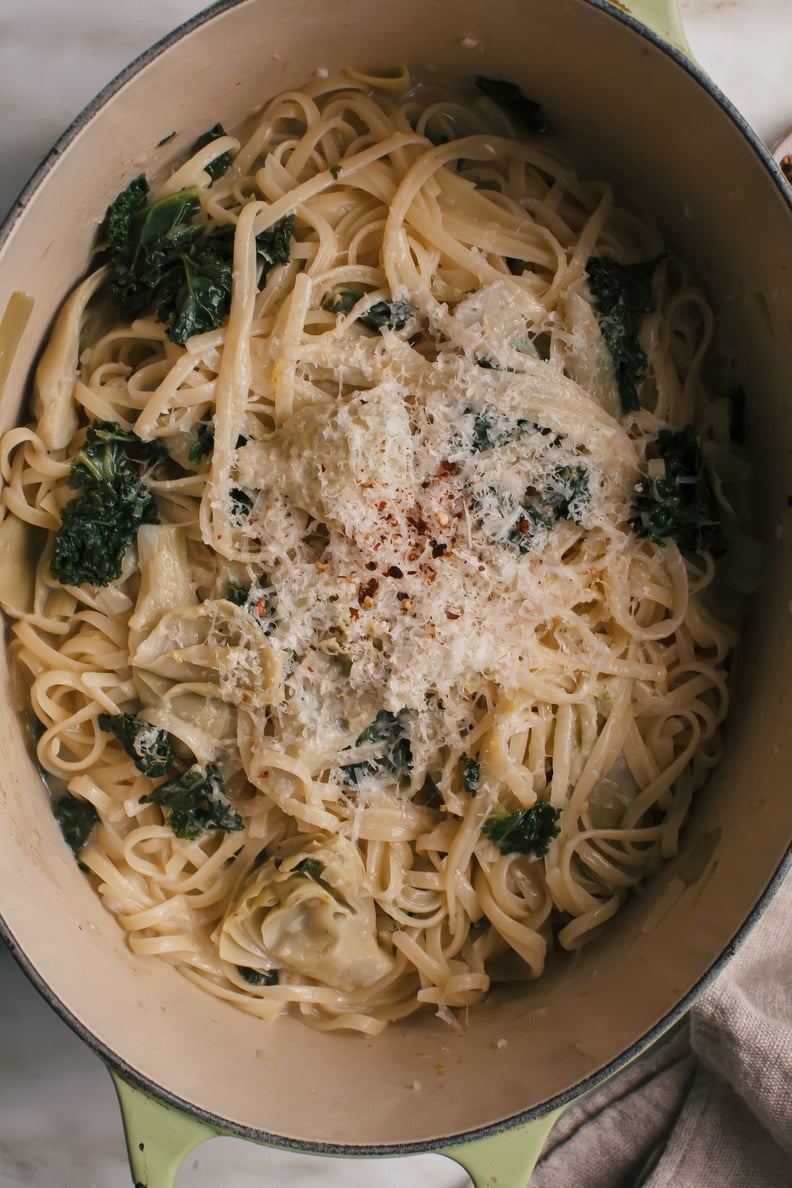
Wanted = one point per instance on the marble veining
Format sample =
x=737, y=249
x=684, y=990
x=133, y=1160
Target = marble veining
x=59, y=1120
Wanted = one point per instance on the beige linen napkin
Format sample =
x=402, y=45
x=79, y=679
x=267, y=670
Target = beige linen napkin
x=710, y=1107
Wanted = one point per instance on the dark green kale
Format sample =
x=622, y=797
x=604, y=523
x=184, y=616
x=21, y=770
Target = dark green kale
x=488, y=435
x=568, y=492
x=259, y=977
x=104, y=432
x=490, y=365
x=256, y=602
x=309, y=866
x=679, y=503
x=195, y=292
x=491, y=432
x=340, y=301
x=241, y=504
x=195, y=802
x=273, y=246
x=621, y=292
x=532, y=518
x=472, y=769
x=528, y=831
x=387, y=739
x=204, y=441
x=563, y=498
x=162, y=259
x=238, y=593
x=148, y=747
x=428, y=795
x=76, y=819
x=99, y=524
x=388, y=315
x=221, y=163
x=508, y=95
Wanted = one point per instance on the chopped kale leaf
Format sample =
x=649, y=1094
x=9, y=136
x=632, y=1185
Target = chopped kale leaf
x=99, y=524
x=532, y=518
x=388, y=315
x=204, y=441
x=680, y=503
x=621, y=292
x=491, y=431
x=472, y=769
x=488, y=435
x=428, y=794
x=76, y=818
x=195, y=292
x=568, y=492
x=273, y=246
x=528, y=831
x=222, y=163
x=259, y=977
x=105, y=432
x=309, y=866
x=490, y=365
x=238, y=593
x=148, y=747
x=389, y=743
x=162, y=259
x=195, y=802
x=241, y=504
x=340, y=301
x=509, y=96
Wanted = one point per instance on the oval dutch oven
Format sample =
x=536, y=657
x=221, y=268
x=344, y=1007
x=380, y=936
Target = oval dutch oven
x=187, y=1066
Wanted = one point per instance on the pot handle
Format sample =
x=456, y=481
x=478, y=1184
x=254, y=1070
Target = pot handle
x=159, y=1137
x=506, y=1158
x=662, y=17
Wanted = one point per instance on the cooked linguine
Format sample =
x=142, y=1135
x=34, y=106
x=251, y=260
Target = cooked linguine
x=404, y=678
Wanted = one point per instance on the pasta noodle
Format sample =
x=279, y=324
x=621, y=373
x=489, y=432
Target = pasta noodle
x=394, y=603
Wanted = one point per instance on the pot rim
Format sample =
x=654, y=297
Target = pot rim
x=227, y=1126
x=680, y=1008
x=608, y=8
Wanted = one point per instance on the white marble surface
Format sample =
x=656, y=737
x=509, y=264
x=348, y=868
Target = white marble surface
x=59, y=1122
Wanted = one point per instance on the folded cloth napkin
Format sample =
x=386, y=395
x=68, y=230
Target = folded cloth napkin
x=711, y=1105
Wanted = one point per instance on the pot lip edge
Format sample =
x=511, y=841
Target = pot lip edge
x=606, y=7
x=682, y=1005
x=228, y=1127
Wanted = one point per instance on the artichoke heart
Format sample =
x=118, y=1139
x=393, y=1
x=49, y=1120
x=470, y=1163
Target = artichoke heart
x=215, y=642
x=305, y=910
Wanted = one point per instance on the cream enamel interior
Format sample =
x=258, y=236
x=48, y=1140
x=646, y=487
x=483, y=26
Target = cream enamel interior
x=637, y=115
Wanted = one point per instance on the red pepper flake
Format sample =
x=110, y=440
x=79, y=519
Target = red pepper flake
x=447, y=467
x=261, y=607
x=354, y=612
x=366, y=592
x=453, y=614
